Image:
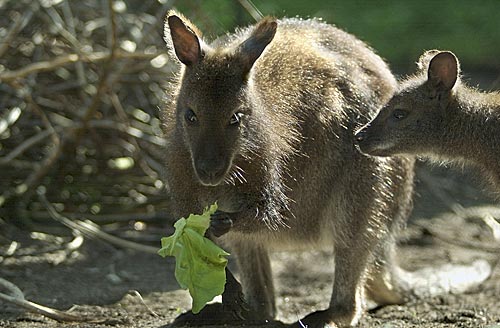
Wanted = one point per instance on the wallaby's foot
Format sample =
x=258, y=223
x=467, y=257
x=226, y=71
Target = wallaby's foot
x=212, y=314
x=219, y=314
x=328, y=319
x=384, y=286
x=220, y=223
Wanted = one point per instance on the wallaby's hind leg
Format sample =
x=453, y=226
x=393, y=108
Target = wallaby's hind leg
x=346, y=304
x=383, y=285
x=352, y=255
x=359, y=232
x=256, y=278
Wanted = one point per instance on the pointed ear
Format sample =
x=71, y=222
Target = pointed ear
x=182, y=37
x=443, y=71
x=251, y=49
x=425, y=58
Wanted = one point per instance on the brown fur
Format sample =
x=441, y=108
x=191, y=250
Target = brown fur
x=289, y=175
x=444, y=119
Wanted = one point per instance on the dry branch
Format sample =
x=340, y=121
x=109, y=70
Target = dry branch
x=17, y=298
x=442, y=235
x=135, y=293
x=16, y=27
x=92, y=230
x=28, y=143
x=108, y=65
x=51, y=65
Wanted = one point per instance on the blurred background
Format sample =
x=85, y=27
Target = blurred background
x=81, y=84
x=398, y=30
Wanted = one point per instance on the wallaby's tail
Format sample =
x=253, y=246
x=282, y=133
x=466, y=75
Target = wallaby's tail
x=445, y=279
x=390, y=284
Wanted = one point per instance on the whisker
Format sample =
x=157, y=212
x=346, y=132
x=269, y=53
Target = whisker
x=238, y=172
x=238, y=168
x=241, y=177
x=237, y=176
x=229, y=180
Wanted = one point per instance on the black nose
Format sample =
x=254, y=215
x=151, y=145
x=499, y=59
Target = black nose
x=361, y=135
x=210, y=168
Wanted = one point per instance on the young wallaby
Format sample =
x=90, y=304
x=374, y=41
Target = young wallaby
x=262, y=121
x=435, y=114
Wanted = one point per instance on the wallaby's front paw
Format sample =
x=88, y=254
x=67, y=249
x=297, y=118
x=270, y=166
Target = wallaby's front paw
x=220, y=223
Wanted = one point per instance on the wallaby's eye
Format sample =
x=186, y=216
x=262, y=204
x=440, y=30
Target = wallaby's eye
x=399, y=114
x=235, y=118
x=190, y=116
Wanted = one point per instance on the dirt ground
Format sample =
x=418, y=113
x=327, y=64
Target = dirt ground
x=103, y=282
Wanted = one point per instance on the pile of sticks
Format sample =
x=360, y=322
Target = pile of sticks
x=81, y=147
x=81, y=85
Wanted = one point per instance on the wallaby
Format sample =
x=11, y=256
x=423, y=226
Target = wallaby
x=435, y=114
x=262, y=121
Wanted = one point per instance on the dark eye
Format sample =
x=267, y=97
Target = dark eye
x=399, y=114
x=190, y=116
x=235, y=119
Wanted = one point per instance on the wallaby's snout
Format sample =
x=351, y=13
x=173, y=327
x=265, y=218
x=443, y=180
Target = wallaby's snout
x=211, y=159
x=361, y=135
x=369, y=140
x=210, y=171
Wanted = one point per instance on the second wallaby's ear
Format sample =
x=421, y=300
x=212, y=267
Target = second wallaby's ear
x=183, y=39
x=251, y=49
x=425, y=58
x=443, y=70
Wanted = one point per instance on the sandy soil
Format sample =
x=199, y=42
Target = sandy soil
x=104, y=283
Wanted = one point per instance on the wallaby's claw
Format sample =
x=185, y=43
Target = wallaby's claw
x=220, y=223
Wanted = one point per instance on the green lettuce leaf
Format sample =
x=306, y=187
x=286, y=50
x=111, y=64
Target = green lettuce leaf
x=199, y=263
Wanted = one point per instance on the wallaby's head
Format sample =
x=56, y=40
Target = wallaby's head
x=411, y=122
x=212, y=107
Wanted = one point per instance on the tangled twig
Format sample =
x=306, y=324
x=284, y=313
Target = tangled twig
x=92, y=230
x=16, y=297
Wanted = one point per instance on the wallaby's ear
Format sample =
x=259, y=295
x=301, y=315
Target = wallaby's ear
x=443, y=71
x=182, y=36
x=251, y=49
x=425, y=58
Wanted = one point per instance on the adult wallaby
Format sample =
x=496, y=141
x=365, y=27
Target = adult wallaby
x=435, y=114
x=262, y=121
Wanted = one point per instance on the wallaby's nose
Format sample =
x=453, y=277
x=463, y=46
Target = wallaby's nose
x=360, y=135
x=210, y=169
